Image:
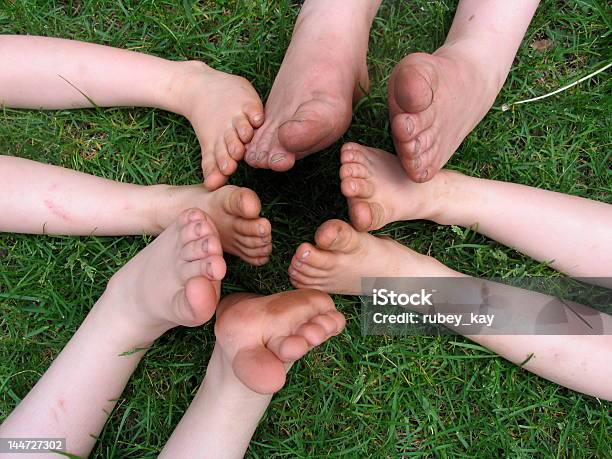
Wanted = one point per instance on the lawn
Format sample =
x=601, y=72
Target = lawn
x=355, y=396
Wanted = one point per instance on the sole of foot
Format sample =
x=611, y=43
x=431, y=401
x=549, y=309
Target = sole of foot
x=175, y=280
x=261, y=336
x=224, y=110
x=342, y=256
x=379, y=192
x=310, y=105
x=235, y=212
x=435, y=100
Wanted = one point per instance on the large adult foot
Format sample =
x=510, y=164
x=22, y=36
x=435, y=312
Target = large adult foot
x=343, y=256
x=323, y=72
x=261, y=336
x=435, y=100
x=235, y=212
x=224, y=110
x=174, y=281
x=378, y=191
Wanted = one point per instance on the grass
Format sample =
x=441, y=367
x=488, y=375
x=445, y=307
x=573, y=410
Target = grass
x=355, y=396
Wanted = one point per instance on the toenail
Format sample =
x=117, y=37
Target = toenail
x=305, y=255
x=277, y=158
x=350, y=171
x=198, y=229
x=224, y=165
x=261, y=156
x=258, y=118
x=409, y=126
x=192, y=214
x=417, y=145
x=261, y=229
x=298, y=264
x=292, y=272
x=209, y=269
x=252, y=156
x=351, y=156
x=353, y=186
x=424, y=174
x=416, y=163
x=242, y=132
x=205, y=246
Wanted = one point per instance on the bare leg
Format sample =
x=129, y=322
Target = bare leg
x=571, y=233
x=323, y=71
x=435, y=100
x=38, y=198
x=51, y=73
x=174, y=281
x=258, y=339
x=343, y=256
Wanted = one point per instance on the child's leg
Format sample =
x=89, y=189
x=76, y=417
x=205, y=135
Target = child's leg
x=174, y=281
x=435, y=100
x=323, y=72
x=51, y=73
x=571, y=233
x=39, y=198
x=343, y=256
x=258, y=338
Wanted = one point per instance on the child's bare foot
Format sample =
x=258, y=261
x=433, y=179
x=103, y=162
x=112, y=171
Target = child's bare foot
x=378, y=191
x=224, y=110
x=234, y=211
x=174, y=281
x=343, y=256
x=435, y=100
x=324, y=70
x=261, y=336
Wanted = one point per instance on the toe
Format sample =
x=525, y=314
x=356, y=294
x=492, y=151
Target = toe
x=354, y=153
x=255, y=115
x=225, y=163
x=328, y=322
x=356, y=187
x=355, y=170
x=405, y=126
x=420, y=144
x=336, y=235
x=201, y=248
x=413, y=83
x=259, y=228
x=195, y=304
x=280, y=160
x=312, y=256
x=307, y=270
x=366, y=216
x=195, y=230
x=242, y=203
x=313, y=333
x=256, y=252
x=213, y=178
x=244, y=129
x=234, y=148
x=311, y=127
x=300, y=280
x=212, y=267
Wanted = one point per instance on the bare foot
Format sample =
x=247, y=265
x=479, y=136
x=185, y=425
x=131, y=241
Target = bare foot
x=234, y=211
x=435, y=100
x=224, y=110
x=378, y=191
x=174, y=281
x=323, y=72
x=343, y=256
x=262, y=335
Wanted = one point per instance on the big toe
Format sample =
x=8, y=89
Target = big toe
x=195, y=304
x=413, y=83
x=243, y=202
x=366, y=216
x=259, y=369
x=315, y=125
x=336, y=235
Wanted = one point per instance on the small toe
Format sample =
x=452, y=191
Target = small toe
x=355, y=170
x=244, y=130
x=406, y=126
x=356, y=187
x=234, y=149
x=313, y=333
x=259, y=228
x=201, y=248
x=196, y=230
